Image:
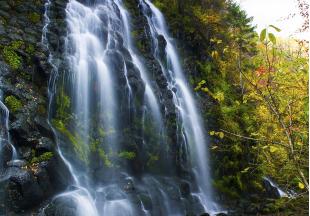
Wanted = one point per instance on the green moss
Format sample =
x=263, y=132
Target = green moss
x=105, y=133
x=30, y=49
x=134, y=34
x=63, y=104
x=13, y=103
x=105, y=158
x=26, y=75
x=77, y=142
x=11, y=57
x=127, y=155
x=14, y=3
x=160, y=5
x=221, y=186
x=34, y=17
x=152, y=159
x=44, y=157
x=41, y=109
x=140, y=45
x=17, y=44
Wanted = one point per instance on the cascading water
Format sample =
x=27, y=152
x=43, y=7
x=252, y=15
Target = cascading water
x=5, y=141
x=8, y=153
x=191, y=121
x=109, y=119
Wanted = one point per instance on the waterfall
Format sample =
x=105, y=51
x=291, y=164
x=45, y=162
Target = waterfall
x=6, y=145
x=110, y=119
x=192, y=124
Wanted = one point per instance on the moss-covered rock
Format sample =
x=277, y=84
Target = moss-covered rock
x=34, y=17
x=11, y=57
x=44, y=157
x=13, y=103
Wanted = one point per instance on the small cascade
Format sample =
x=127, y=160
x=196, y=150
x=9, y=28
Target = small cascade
x=8, y=153
x=6, y=145
x=275, y=190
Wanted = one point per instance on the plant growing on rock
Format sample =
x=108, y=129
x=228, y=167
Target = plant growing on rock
x=13, y=103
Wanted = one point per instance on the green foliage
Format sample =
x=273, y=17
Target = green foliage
x=11, y=57
x=63, y=105
x=127, y=155
x=43, y=157
x=152, y=160
x=105, y=158
x=13, y=103
x=79, y=146
x=34, y=17
x=30, y=49
x=263, y=35
x=271, y=37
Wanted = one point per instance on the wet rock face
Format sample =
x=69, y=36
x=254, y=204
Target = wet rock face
x=24, y=76
x=271, y=190
x=143, y=42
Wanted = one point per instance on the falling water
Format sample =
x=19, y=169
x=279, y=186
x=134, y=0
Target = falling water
x=191, y=121
x=103, y=108
x=280, y=192
x=4, y=132
x=151, y=100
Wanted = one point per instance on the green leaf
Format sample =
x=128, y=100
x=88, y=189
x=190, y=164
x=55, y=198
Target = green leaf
x=272, y=38
x=263, y=34
x=245, y=170
x=275, y=28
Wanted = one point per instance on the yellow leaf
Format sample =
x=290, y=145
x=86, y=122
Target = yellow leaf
x=301, y=185
x=205, y=89
x=273, y=149
x=214, y=147
x=214, y=54
x=221, y=135
x=219, y=96
x=212, y=133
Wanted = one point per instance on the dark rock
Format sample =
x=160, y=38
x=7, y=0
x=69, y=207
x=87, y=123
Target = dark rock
x=146, y=201
x=161, y=44
x=128, y=185
x=61, y=206
x=25, y=152
x=221, y=214
x=271, y=190
x=185, y=189
x=58, y=173
x=44, y=145
x=23, y=191
x=6, y=154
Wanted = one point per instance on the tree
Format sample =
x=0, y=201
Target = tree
x=279, y=88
